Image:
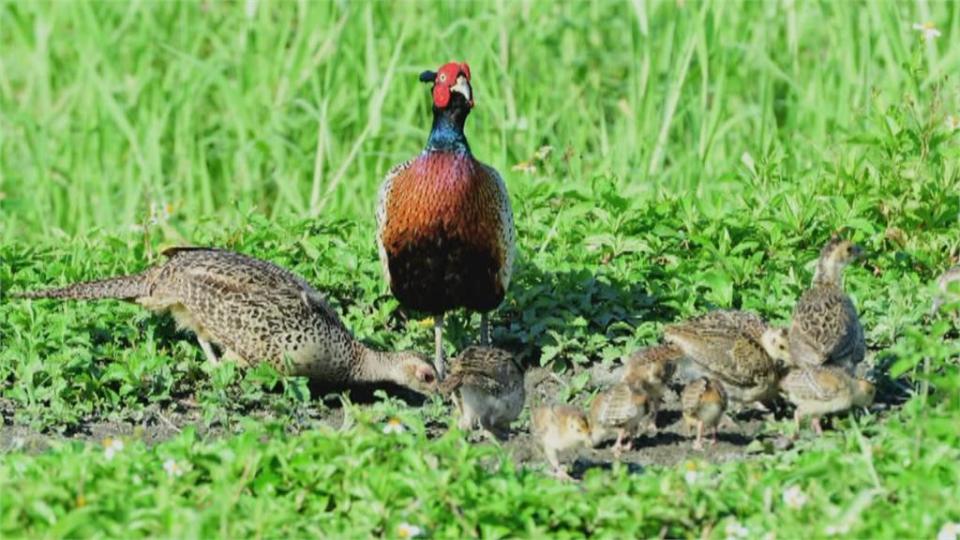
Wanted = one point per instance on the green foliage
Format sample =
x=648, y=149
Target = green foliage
x=672, y=157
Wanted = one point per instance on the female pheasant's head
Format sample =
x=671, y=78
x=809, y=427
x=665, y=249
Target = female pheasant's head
x=451, y=86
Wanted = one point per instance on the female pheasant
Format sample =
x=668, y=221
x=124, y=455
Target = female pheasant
x=444, y=224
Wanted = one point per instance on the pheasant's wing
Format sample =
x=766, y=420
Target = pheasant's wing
x=724, y=320
x=814, y=384
x=719, y=350
x=241, y=321
x=614, y=407
x=825, y=327
x=231, y=271
x=506, y=230
x=383, y=199
x=488, y=368
x=749, y=363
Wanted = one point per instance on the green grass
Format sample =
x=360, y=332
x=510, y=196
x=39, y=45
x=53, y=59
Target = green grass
x=702, y=153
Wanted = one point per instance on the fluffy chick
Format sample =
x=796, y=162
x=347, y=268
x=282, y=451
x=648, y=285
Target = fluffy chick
x=619, y=409
x=826, y=329
x=489, y=384
x=737, y=348
x=648, y=370
x=817, y=391
x=704, y=403
x=560, y=428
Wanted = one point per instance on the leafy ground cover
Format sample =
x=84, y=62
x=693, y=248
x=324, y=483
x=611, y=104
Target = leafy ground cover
x=663, y=159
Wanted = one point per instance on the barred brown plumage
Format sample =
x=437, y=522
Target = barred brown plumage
x=737, y=348
x=256, y=311
x=826, y=329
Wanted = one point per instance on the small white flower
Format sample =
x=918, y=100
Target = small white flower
x=160, y=213
x=928, y=30
x=949, y=531
x=735, y=529
x=953, y=122
x=406, y=530
x=112, y=447
x=837, y=530
x=172, y=468
x=393, y=426
x=691, y=477
x=794, y=497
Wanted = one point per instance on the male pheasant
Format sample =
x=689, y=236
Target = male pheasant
x=444, y=224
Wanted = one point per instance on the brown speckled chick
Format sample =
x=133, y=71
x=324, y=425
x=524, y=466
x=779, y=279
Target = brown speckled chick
x=826, y=329
x=737, y=348
x=490, y=386
x=817, y=391
x=560, y=428
x=618, y=409
x=256, y=311
x=704, y=402
x=648, y=370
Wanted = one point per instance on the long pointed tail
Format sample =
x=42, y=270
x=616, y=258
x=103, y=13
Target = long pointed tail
x=121, y=288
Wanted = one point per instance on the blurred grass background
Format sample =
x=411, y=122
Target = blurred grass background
x=701, y=155
x=298, y=109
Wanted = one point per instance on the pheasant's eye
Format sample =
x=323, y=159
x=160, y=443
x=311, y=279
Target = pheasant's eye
x=443, y=77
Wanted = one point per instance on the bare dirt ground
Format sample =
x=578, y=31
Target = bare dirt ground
x=747, y=436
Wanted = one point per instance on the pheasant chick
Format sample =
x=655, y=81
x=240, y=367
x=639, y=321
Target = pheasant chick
x=489, y=387
x=619, y=409
x=560, y=428
x=826, y=329
x=817, y=391
x=704, y=403
x=648, y=371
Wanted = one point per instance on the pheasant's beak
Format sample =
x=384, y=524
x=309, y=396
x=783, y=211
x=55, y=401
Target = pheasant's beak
x=463, y=88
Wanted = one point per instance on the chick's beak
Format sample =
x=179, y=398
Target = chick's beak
x=462, y=86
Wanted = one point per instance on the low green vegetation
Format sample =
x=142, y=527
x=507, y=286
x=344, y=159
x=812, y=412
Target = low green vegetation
x=663, y=159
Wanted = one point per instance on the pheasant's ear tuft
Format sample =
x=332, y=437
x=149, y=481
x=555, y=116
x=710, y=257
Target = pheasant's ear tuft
x=428, y=76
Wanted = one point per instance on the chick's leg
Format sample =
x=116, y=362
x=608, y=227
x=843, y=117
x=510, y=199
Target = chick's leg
x=618, y=446
x=654, y=411
x=815, y=422
x=554, y=461
x=698, y=444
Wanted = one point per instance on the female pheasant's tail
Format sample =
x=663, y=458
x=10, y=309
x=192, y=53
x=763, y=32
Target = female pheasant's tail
x=120, y=287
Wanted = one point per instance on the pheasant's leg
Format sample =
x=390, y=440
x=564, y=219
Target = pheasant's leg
x=816, y=425
x=796, y=421
x=654, y=411
x=484, y=330
x=438, y=344
x=714, y=435
x=698, y=444
x=208, y=351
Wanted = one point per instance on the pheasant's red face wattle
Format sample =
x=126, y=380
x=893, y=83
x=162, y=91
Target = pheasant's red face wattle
x=452, y=77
